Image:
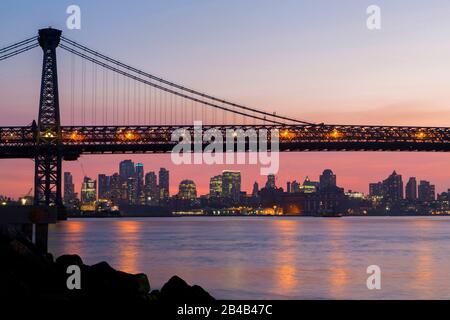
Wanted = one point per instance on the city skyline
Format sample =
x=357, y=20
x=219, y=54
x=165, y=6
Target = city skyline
x=354, y=175
x=409, y=187
x=132, y=189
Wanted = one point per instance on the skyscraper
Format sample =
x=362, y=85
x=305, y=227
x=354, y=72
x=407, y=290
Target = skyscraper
x=376, y=189
x=151, y=189
x=139, y=173
x=393, y=188
x=231, y=185
x=295, y=186
x=103, y=186
x=270, y=183
x=163, y=184
x=115, y=184
x=215, y=187
x=327, y=179
x=427, y=192
x=187, y=190
x=132, y=191
x=88, y=194
x=411, y=189
x=126, y=169
x=69, y=189
x=255, y=190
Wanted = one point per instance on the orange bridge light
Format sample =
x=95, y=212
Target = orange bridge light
x=286, y=134
x=336, y=134
x=128, y=135
x=76, y=136
x=421, y=135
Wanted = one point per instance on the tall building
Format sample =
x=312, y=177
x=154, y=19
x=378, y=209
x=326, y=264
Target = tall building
x=327, y=180
x=88, y=194
x=231, y=185
x=376, y=189
x=69, y=189
x=215, y=187
x=115, y=192
x=295, y=187
x=126, y=169
x=132, y=191
x=427, y=191
x=270, y=183
x=139, y=174
x=164, y=184
x=187, y=190
x=103, y=186
x=151, y=189
x=411, y=189
x=393, y=188
x=255, y=190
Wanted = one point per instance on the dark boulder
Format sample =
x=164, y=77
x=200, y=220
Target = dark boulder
x=101, y=277
x=26, y=274
x=62, y=262
x=176, y=289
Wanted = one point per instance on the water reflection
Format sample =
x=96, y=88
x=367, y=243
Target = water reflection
x=128, y=250
x=337, y=261
x=286, y=275
x=425, y=268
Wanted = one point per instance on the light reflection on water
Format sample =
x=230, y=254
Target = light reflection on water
x=263, y=258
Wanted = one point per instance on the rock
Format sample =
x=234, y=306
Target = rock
x=23, y=271
x=62, y=262
x=26, y=274
x=101, y=277
x=154, y=295
x=176, y=289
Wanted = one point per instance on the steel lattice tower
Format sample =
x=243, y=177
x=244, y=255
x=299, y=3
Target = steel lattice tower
x=48, y=157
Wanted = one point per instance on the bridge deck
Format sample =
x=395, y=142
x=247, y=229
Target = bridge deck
x=19, y=142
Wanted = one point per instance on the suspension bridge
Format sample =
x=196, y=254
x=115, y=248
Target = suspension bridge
x=122, y=109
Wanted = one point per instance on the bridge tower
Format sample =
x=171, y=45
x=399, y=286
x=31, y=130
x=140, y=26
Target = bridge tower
x=48, y=158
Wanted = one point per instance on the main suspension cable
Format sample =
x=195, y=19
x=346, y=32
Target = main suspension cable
x=18, y=44
x=203, y=95
x=168, y=90
x=18, y=51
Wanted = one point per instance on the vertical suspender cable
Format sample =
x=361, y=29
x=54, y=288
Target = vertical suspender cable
x=72, y=90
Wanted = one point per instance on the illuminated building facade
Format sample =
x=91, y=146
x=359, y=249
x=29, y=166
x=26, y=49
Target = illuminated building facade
x=88, y=194
x=187, y=190
x=231, y=185
x=215, y=187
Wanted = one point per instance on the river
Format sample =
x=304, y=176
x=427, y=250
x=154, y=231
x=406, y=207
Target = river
x=272, y=258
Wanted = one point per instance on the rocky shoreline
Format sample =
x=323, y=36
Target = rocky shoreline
x=29, y=275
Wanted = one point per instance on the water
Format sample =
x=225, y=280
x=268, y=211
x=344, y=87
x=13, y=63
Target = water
x=272, y=258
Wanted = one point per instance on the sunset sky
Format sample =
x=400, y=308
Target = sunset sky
x=313, y=60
